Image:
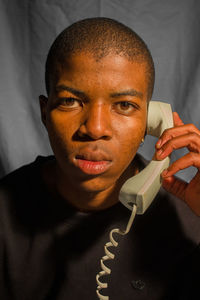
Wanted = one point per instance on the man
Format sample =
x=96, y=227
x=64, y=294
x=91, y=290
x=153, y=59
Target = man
x=56, y=213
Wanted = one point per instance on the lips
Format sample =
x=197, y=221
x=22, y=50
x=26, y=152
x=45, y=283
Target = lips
x=93, y=162
x=93, y=155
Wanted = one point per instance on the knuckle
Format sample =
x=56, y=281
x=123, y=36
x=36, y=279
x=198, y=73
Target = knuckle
x=171, y=145
x=193, y=136
x=194, y=141
x=194, y=157
x=167, y=133
x=191, y=155
x=192, y=127
x=175, y=167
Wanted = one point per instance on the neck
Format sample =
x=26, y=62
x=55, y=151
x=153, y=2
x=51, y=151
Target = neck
x=89, y=201
x=81, y=199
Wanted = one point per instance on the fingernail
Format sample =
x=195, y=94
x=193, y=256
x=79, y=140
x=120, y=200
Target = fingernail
x=158, y=144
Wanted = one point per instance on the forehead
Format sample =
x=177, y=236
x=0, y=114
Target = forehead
x=112, y=71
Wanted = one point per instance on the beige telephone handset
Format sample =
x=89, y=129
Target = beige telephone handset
x=138, y=192
x=142, y=188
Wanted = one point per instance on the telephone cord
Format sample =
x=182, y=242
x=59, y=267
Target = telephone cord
x=109, y=255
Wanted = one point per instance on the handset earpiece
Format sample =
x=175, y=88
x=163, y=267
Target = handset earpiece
x=142, y=188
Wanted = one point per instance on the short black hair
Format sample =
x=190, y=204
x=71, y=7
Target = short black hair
x=100, y=37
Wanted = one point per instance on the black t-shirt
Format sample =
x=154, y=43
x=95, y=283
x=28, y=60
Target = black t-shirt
x=49, y=250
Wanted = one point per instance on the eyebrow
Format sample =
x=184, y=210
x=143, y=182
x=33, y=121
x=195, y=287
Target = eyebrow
x=130, y=92
x=78, y=93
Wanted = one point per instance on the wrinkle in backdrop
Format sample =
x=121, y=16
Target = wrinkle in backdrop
x=27, y=30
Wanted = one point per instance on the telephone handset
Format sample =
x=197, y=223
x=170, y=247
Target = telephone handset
x=142, y=188
x=138, y=192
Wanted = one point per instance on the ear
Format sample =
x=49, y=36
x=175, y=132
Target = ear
x=43, y=108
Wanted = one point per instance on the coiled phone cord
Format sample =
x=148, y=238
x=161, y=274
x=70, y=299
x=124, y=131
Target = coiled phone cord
x=109, y=255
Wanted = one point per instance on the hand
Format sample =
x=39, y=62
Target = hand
x=175, y=138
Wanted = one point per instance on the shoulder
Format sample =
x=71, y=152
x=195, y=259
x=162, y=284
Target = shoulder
x=23, y=177
x=19, y=189
x=24, y=171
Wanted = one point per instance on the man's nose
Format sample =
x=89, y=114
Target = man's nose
x=96, y=122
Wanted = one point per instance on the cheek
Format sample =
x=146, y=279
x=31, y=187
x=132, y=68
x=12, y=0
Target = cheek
x=60, y=131
x=128, y=140
x=129, y=145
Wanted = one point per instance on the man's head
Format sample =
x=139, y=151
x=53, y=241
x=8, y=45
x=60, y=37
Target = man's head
x=96, y=110
x=99, y=37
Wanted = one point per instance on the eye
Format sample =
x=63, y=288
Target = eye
x=126, y=107
x=70, y=102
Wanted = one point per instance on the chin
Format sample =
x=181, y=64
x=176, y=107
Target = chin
x=96, y=185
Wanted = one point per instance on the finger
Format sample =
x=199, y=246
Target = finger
x=177, y=119
x=191, y=141
x=170, y=133
x=177, y=122
x=175, y=186
x=188, y=160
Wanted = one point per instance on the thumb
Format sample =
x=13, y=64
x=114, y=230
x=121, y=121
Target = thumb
x=175, y=186
x=177, y=119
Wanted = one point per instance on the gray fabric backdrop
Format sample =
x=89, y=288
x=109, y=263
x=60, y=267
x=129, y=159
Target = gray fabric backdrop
x=27, y=29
